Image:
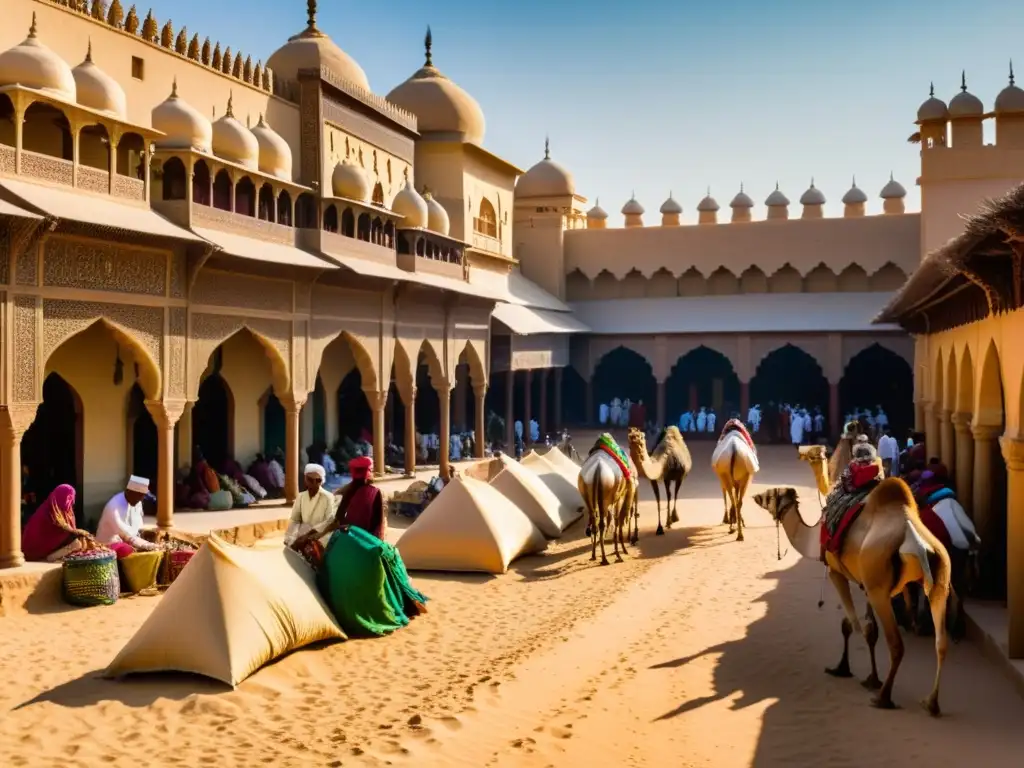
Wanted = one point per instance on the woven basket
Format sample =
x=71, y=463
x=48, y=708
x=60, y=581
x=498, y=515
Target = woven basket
x=139, y=570
x=177, y=559
x=90, y=578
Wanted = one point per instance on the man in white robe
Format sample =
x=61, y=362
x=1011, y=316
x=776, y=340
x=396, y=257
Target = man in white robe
x=534, y=431
x=755, y=418
x=711, y=421
x=685, y=421
x=602, y=413
x=819, y=422
x=314, y=508
x=796, y=429
x=702, y=420
x=808, y=423
x=616, y=412
x=624, y=416
x=122, y=517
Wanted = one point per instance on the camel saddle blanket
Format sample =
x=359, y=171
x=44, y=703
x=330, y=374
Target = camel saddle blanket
x=934, y=524
x=607, y=444
x=735, y=425
x=841, y=510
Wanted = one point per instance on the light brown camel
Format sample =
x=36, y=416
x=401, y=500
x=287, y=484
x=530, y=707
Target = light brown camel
x=609, y=495
x=735, y=464
x=884, y=549
x=670, y=463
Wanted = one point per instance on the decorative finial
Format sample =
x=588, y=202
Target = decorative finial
x=547, y=148
x=741, y=187
x=776, y=186
x=963, y=80
x=670, y=194
x=88, y=52
x=597, y=202
x=311, y=14
x=32, y=29
x=854, y=182
x=231, y=98
x=890, y=176
x=812, y=182
x=428, y=43
x=709, y=190
x=632, y=194
x=262, y=122
x=1011, y=71
x=174, y=88
x=931, y=91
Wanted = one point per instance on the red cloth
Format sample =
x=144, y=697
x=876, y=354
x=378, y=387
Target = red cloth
x=862, y=474
x=51, y=525
x=637, y=415
x=361, y=510
x=934, y=524
x=121, y=549
x=834, y=542
x=361, y=467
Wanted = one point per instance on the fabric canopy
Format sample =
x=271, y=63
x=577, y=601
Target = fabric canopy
x=470, y=526
x=562, y=482
x=231, y=611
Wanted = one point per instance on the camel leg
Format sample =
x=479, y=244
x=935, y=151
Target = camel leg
x=908, y=607
x=850, y=623
x=872, y=683
x=738, y=506
x=882, y=604
x=672, y=515
x=657, y=500
x=726, y=519
x=675, y=500
x=938, y=603
x=602, y=523
x=635, y=513
x=592, y=532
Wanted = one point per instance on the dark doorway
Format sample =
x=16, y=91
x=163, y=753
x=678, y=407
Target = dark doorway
x=144, y=439
x=428, y=404
x=274, y=433
x=355, y=420
x=790, y=375
x=879, y=377
x=213, y=420
x=51, y=448
x=702, y=378
x=319, y=398
x=574, y=398
x=623, y=373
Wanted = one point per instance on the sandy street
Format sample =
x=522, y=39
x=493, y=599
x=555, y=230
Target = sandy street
x=696, y=651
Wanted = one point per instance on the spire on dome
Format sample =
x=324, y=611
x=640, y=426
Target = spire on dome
x=963, y=80
x=428, y=43
x=1011, y=71
x=174, y=87
x=311, y=14
x=547, y=148
x=88, y=56
x=32, y=29
x=231, y=98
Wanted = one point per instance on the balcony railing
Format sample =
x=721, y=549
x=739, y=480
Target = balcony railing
x=486, y=227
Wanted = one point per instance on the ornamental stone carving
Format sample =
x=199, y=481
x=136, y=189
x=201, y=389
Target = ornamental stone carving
x=6, y=243
x=310, y=127
x=25, y=349
x=210, y=331
x=179, y=269
x=176, y=340
x=300, y=381
x=98, y=266
x=223, y=289
x=26, y=266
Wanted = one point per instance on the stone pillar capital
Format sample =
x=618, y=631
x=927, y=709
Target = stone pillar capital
x=377, y=400
x=961, y=422
x=1013, y=452
x=16, y=418
x=985, y=432
x=480, y=390
x=166, y=413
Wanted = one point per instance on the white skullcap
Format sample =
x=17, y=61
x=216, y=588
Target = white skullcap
x=315, y=469
x=138, y=484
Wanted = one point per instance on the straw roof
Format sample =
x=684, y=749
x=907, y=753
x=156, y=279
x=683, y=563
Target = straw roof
x=979, y=266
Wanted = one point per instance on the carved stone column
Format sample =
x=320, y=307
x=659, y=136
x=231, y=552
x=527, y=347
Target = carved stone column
x=14, y=420
x=292, y=415
x=947, y=440
x=745, y=400
x=510, y=399
x=932, y=439
x=461, y=395
x=558, y=399
x=543, y=420
x=444, y=399
x=964, y=470
x=480, y=432
x=835, y=422
x=527, y=405
x=1013, y=454
x=185, y=436
x=659, y=410
x=410, y=432
x=165, y=415
x=378, y=401
x=981, y=501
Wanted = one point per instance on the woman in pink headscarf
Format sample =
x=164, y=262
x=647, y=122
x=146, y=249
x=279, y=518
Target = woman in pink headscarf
x=50, y=534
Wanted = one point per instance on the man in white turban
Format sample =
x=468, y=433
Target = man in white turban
x=121, y=520
x=314, y=508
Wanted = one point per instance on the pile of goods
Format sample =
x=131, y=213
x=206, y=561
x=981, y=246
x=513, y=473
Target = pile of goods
x=413, y=500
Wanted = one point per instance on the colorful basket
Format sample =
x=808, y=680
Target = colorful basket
x=139, y=571
x=90, y=578
x=313, y=553
x=176, y=560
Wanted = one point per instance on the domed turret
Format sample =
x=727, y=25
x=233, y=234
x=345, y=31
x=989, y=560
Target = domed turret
x=1010, y=100
x=707, y=209
x=546, y=179
x=233, y=142
x=184, y=127
x=351, y=181
x=933, y=109
x=1009, y=109
x=670, y=212
x=312, y=49
x=741, y=206
x=597, y=217
x=778, y=204
x=892, y=195
x=275, y=154
x=97, y=90
x=437, y=216
x=965, y=114
x=812, y=200
x=439, y=104
x=32, y=65
x=854, y=200
x=634, y=212
x=410, y=204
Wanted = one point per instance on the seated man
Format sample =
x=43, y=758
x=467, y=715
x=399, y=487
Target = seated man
x=313, y=510
x=851, y=490
x=121, y=520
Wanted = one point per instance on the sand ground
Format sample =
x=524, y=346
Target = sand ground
x=696, y=651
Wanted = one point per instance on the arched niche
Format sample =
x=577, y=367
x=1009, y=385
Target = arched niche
x=47, y=131
x=213, y=421
x=486, y=222
x=722, y=282
x=877, y=376
x=606, y=286
x=692, y=283
x=789, y=374
x=94, y=147
x=950, y=381
x=965, y=383
x=363, y=227
x=577, y=286
x=821, y=279
x=202, y=189
x=173, y=179
x=53, y=447
x=888, y=278
x=431, y=385
x=331, y=219
x=937, y=373
x=853, y=279
x=990, y=410
x=703, y=377
x=753, y=280
x=785, y=280
x=223, y=191
x=131, y=156
x=267, y=207
x=634, y=285
x=7, y=137
x=284, y=208
x=378, y=194
x=245, y=197
x=624, y=373
x=143, y=448
x=662, y=284
x=348, y=223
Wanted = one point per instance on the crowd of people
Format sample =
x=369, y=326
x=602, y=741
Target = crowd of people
x=623, y=413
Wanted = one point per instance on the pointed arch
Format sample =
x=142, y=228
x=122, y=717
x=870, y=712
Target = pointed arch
x=722, y=282
x=853, y=279
x=633, y=285
x=821, y=279
x=949, y=401
x=577, y=286
x=219, y=330
x=606, y=286
x=753, y=280
x=888, y=277
x=360, y=354
x=990, y=408
x=477, y=369
x=937, y=382
x=965, y=383
x=785, y=280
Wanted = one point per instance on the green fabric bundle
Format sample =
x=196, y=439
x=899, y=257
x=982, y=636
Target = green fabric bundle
x=365, y=584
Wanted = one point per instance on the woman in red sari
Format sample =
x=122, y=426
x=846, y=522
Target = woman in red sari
x=50, y=534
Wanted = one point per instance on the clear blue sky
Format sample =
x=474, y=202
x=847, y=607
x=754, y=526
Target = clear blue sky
x=658, y=95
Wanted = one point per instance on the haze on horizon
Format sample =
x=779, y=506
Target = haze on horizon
x=657, y=96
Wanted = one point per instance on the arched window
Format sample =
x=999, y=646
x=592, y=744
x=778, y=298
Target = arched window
x=266, y=208
x=348, y=223
x=200, y=183
x=245, y=197
x=378, y=194
x=284, y=209
x=305, y=211
x=487, y=222
x=363, y=227
x=222, y=192
x=173, y=180
x=331, y=219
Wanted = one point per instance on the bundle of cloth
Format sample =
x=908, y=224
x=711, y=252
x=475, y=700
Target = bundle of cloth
x=846, y=499
x=940, y=509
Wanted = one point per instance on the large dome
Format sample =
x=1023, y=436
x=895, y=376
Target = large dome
x=437, y=216
x=546, y=179
x=275, y=154
x=965, y=103
x=440, y=105
x=813, y=196
x=235, y=143
x=351, y=182
x=409, y=204
x=854, y=195
x=312, y=49
x=184, y=126
x=932, y=109
x=98, y=90
x=32, y=65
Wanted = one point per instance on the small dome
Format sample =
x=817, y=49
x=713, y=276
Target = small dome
x=742, y=200
x=892, y=190
x=776, y=199
x=1011, y=99
x=233, y=142
x=437, y=216
x=710, y=205
x=813, y=196
x=597, y=212
x=632, y=207
x=97, y=90
x=855, y=195
x=670, y=206
x=933, y=109
x=275, y=154
x=32, y=65
x=410, y=204
x=184, y=126
x=312, y=49
x=351, y=181
x=965, y=104
x=439, y=104
x=546, y=179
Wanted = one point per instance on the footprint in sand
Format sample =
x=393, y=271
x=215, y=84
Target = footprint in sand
x=561, y=733
x=451, y=723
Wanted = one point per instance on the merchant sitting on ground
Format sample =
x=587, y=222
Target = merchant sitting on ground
x=313, y=511
x=362, y=577
x=121, y=521
x=847, y=497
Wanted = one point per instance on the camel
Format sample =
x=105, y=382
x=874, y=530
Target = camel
x=735, y=463
x=884, y=549
x=670, y=463
x=609, y=494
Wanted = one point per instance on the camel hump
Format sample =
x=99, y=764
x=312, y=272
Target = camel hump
x=894, y=490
